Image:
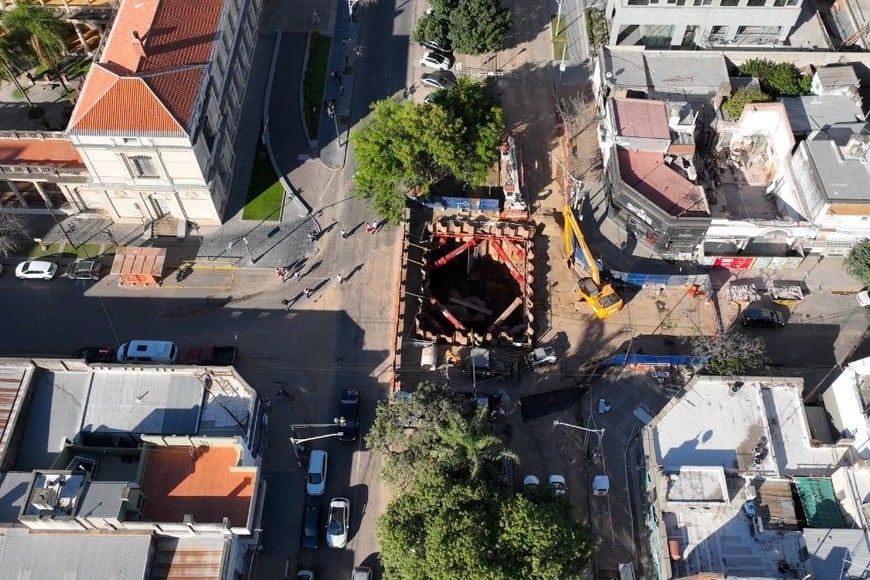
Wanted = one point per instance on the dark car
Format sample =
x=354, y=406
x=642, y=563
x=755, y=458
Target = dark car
x=348, y=415
x=439, y=46
x=442, y=79
x=84, y=270
x=761, y=317
x=96, y=354
x=311, y=527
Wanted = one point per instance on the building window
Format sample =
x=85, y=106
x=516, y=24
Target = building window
x=719, y=30
x=756, y=3
x=729, y=3
x=143, y=166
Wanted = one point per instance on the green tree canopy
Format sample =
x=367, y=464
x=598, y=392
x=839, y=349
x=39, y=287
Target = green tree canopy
x=469, y=26
x=403, y=147
x=742, y=97
x=446, y=529
x=778, y=79
x=857, y=262
x=463, y=444
x=479, y=26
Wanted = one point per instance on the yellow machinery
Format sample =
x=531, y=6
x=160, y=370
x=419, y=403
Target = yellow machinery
x=602, y=297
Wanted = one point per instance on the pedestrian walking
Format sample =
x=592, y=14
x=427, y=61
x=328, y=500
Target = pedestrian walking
x=280, y=392
x=340, y=278
x=267, y=403
x=308, y=292
x=374, y=227
x=286, y=304
x=369, y=229
x=311, y=237
x=298, y=275
x=343, y=234
x=341, y=90
x=280, y=273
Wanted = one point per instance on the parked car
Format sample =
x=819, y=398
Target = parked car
x=36, y=270
x=436, y=60
x=316, y=483
x=215, y=356
x=541, y=356
x=349, y=413
x=304, y=575
x=311, y=527
x=336, y=527
x=557, y=484
x=756, y=316
x=863, y=298
x=435, y=45
x=362, y=573
x=84, y=270
x=600, y=485
x=531, y=483
x=439, y=80
x=96, y=354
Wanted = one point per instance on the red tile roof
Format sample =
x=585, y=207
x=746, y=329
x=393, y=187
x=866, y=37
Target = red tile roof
x=651, y=177
x=204, y=482
x=149, y=86
x=51, y=152
x=641, y=118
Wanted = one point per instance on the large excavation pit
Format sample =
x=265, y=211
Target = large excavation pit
x=477, y=283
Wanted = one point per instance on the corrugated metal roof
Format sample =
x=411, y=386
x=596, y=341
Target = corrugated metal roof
x=74, y=556
x=101, y=499
x=12, y=385
x=819, y=502
x=185, y=558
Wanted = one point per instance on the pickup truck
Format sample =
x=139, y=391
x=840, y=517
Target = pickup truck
x=216, y=356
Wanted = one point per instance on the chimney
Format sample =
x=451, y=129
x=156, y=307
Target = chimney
x=140, y=46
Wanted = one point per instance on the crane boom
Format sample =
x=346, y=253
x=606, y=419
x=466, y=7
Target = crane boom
x=602, y=297
x=574, y=235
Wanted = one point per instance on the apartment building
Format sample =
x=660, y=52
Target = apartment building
x=157, y=117
x=701, y=23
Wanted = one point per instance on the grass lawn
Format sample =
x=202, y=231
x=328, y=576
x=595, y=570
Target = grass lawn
x=315, y=79
x=64, y=250
x=265, y=193
x=560, y=36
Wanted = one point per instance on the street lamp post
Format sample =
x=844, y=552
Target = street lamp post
x=599, y=432
x=295, y=443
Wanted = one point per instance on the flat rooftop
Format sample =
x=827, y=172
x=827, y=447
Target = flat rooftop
x=844, y=178
x=641, y=118
x=206, y=482
x=53, y=152
x=648, y=173
x=814, y=112
x=756, y=427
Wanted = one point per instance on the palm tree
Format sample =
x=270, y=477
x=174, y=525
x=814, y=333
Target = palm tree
x=467, y=443
x=7, y=69
x=41, y=30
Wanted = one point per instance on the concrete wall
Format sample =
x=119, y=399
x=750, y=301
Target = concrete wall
x=705, y=18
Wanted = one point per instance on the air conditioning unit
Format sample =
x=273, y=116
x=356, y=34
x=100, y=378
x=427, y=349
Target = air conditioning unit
x=44, y=499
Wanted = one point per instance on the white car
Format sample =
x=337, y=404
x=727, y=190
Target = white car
x=316, y=483
x=531, y=482
x=36, y=270
x=600, y=485
x=336, y=526
x=557, y=484
x=863, y=298
x=436, y=60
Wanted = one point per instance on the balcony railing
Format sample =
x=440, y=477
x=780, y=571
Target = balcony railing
x=43, y=135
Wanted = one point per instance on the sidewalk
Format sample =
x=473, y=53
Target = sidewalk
x=333, y=132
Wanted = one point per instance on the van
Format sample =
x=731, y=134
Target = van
x=148, y=351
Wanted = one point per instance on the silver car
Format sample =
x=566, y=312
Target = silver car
x=439, y=80
x=336, y=527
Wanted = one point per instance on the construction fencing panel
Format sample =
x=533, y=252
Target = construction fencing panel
x=654, y=360
x=641, y=280
x=462, y=203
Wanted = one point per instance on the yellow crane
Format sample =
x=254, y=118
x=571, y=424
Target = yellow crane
x=601, y=296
